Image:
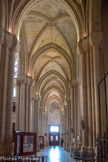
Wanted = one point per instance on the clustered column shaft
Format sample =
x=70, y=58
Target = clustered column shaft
x=24, y=101
x=8, y=47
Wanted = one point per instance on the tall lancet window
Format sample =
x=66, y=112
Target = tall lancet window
x=15, y=75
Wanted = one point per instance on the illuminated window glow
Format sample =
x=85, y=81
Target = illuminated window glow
x=56, y=138
x=54, y=128
x=15, y=76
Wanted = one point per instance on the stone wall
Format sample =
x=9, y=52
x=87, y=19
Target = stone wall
x=54, y=117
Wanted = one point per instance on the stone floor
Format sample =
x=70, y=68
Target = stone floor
x=56, y=154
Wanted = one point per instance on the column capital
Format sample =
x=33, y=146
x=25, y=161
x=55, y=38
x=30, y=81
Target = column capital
x=24, y=80
x=6, y=38
x=9, y=40
x=20, y=80
x=83, y=45
x=96, y=38
x=28, y=80
x=75, y=82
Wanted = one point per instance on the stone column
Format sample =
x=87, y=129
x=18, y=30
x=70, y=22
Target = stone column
x=8, y=47
x=89, y=97
x=40, y=121
x=65, y=116
x=20, y=110
x=89, y=50
x=83, y=95
x=37, y=114
x=24, y=98
x=37, y=119
x=34, y=115
x=74, y=105
x=72, y=113
x=76, y=111
x=71, y=118
x=69, y=122
x=66, y=124
x=89, y=102
x=95, y=42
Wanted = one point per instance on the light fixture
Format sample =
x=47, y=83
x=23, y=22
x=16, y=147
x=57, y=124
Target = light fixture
x=36, y=93
x=28, y=74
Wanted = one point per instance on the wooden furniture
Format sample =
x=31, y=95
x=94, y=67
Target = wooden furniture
x=25, y=143
x=41, y=141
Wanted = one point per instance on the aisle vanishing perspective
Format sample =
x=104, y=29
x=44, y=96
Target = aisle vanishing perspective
x=54, y=79
x=56, y=154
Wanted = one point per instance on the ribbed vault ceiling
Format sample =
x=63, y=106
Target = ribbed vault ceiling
x=50, y=40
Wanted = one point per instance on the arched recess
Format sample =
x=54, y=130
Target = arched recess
x=44, y=50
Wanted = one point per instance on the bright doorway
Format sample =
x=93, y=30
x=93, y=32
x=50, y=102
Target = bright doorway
x=54, y=135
